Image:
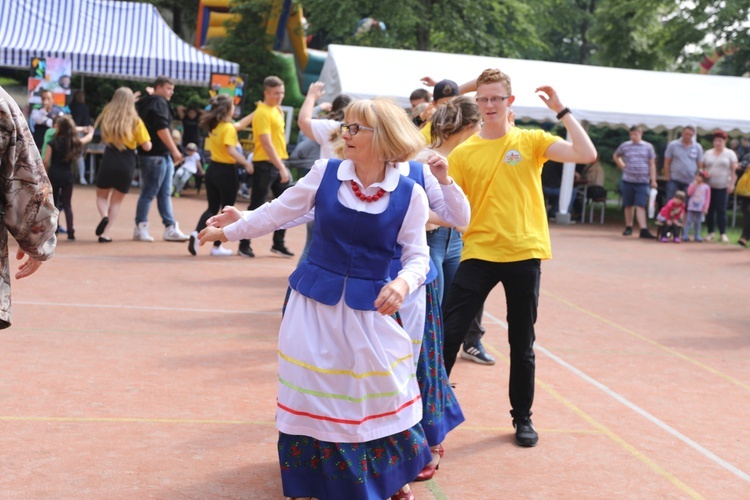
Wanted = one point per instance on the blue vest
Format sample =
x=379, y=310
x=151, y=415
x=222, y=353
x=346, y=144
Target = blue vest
x=416, y=173
x=349, y=247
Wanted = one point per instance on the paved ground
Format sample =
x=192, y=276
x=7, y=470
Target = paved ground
x=134, y=370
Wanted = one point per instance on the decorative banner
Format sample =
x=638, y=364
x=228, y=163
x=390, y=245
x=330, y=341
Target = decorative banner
x=53, y=74
x=231, y=85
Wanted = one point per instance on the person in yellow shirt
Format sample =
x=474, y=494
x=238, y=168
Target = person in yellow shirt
x=499, y=170
x=222, y=179
x=268, y=155
x=122, y=132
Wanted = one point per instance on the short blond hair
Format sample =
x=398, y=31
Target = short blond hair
x=494, y=75
x=395, y=138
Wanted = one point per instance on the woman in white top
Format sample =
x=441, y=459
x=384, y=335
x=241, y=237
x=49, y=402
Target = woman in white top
x=721, y=164
x=348, y=406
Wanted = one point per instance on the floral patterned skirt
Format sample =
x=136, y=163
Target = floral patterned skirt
x=374, y=470
x=441, y=412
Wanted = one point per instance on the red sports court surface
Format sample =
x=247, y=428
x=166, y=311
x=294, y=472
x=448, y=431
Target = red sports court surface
x=134, y=370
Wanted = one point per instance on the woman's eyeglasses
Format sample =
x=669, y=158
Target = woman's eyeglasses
x=353, y=128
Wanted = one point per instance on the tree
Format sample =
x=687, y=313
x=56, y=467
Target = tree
x=647, y=34
x=248, y=44
x=503, y=28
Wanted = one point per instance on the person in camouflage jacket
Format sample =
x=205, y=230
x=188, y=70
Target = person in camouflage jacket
x=27, y=211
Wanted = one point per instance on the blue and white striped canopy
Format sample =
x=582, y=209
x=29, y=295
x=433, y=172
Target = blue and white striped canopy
x=102, y=38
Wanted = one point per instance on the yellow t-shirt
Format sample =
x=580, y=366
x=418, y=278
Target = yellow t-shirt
x=427, y=132
x=140, y=135
x=502, y=180
x=223, y=135
x=269, y=120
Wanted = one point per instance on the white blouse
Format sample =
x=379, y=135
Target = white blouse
x=299, y=200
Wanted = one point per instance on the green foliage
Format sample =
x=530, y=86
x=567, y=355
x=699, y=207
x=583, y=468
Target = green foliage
x=668, y=35
x=248, y=45
x=499, y=28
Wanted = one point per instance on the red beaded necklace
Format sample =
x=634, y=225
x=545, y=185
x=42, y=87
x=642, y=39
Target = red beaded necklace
x=362, y=196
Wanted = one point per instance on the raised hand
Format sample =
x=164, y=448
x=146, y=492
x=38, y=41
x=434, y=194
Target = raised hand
x=316, y=90
x=429, y=81
x=549, y=96
x=439, y=167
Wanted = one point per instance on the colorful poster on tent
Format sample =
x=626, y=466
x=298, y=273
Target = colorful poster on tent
x=231, y=85
x=50, y=73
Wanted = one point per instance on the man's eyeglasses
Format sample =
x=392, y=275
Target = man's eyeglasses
x=353, y=128
x=495, y=99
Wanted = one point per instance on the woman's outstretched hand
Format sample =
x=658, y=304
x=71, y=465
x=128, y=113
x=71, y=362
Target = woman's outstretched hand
x=228, y=215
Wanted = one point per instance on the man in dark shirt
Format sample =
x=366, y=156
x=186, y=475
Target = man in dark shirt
x=157, y=165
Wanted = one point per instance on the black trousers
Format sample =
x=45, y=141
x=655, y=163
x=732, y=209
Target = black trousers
x=474, y=280
x=222, y=183
x=266, y=176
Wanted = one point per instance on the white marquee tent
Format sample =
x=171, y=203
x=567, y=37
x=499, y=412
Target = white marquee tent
x=102, y=38
x=613, y=97
x=599, y=95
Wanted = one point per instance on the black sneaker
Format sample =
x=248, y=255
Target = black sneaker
x=628, y=231
x=193, y=243
x=646, y=235
x=477, y=354
x=246, y=251
x=282, y=250
x=526, y=436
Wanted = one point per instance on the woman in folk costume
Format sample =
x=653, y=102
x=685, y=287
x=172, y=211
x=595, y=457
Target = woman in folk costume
x=349, y=406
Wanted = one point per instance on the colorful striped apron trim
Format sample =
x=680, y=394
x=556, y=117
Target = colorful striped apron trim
x=344, y=372
x=344, y=396
x=352, y=422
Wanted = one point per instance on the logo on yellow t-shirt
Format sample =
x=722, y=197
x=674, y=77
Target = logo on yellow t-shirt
x=512, y=157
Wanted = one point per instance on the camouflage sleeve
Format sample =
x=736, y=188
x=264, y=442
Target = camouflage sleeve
x=29, y=215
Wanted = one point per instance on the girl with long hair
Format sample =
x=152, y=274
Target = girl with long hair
x=64, y=149
x=122, y=132
x=221, y=178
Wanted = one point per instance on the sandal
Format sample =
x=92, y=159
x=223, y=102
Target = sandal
x=742, y=242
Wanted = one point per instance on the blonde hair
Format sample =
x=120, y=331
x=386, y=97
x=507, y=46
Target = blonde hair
x=452, y=118
x=395, y=138
x=493, y=76
x=119, y=119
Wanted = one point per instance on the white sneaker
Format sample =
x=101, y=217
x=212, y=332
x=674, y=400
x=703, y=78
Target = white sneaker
x=220, y=251
x=710, y=237
x=173, y=233
x=140, y=233
x=724, y=238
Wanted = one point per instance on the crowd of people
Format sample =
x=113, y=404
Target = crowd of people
x=412, y=220
x=698, y=185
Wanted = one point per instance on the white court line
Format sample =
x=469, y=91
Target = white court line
x=700, y=449
x=148, y=308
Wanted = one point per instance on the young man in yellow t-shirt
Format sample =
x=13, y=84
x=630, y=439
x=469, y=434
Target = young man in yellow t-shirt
x=499, y=169
x=268, y=155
